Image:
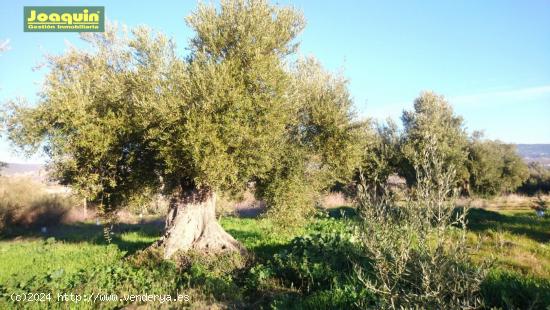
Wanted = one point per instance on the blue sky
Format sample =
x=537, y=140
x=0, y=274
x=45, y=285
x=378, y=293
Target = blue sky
x=491, y=59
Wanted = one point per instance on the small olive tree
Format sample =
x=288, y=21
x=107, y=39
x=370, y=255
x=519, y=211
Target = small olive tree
x=418, y=253
x=129, y=118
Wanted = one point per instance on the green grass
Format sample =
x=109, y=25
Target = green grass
x=517, y=240
x=258, y=235
x=285, y=271
x=24, y=260
x=521, y=223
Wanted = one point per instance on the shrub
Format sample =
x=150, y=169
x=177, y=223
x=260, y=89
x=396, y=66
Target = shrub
x=540, y=205
x=418, y=253
x=314, y=271
x=433, y=121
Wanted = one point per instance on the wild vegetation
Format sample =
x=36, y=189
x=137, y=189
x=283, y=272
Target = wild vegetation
x=127, y=120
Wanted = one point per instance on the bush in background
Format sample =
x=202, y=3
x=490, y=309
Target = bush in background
x=433, y=118
x=538, y=180
x=495, y=167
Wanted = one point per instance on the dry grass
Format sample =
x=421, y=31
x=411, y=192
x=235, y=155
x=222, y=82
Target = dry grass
x=245, y=206
x=26, y=203
x=334, y=200
x=504, y=202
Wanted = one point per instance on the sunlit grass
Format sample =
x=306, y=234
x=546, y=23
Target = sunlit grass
x=23, y=260
x=517, y=240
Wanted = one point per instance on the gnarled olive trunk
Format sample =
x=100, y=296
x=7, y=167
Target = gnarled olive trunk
x=191, y=224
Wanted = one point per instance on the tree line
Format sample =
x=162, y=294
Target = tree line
x=483, y=167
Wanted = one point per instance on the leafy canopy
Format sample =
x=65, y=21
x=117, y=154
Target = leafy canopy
x=433, y=119
x=494, y=167
x=323, y=143
x=128, y=117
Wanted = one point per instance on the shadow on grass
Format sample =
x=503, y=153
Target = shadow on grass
x=92, y=233
x=524, y=223
x=342, y=212
x=258, y=243
x=250, y=212
x=508, y=290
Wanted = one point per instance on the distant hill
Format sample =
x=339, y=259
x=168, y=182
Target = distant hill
x=535, y=153
x=34, y=171
x=22, y=169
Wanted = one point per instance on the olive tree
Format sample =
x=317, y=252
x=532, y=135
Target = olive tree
x=433, y=119
x=129, y=118
x=494, y=167
x=538, y=180
x=382, y=153
x=417, y=250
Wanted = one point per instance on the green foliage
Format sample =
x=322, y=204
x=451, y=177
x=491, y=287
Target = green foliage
x=483, y=167
x=312, y=269
x=128, y=118
x=323, y=145
x=538, y=180
x=102, y=280
x=317, y=261
x=315, y=270
x=381, y=156
x=234, y=117
x=494, y=167
x=291, y=198
x=433, y=118
x=93, y=110
x=325, y=130
x=213, y=274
